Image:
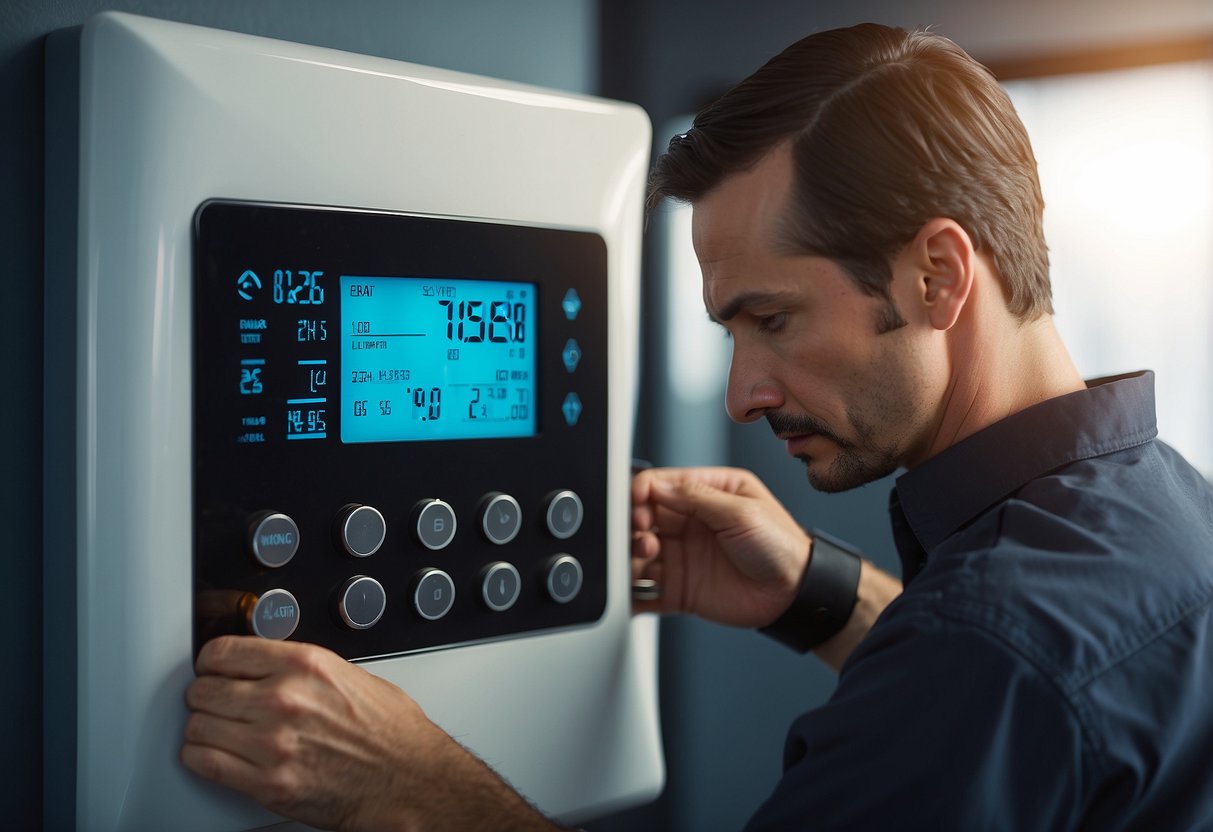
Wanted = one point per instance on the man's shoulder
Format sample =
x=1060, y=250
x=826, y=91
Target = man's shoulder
x=1080, y=567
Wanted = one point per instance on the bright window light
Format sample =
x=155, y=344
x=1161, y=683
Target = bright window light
x=696, y=352
x=1126, y=167
x=697, y=348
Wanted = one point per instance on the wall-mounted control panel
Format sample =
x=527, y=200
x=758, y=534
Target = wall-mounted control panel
x=399, y=427
x=339, y=349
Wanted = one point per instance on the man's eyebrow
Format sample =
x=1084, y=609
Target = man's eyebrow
x=730, y=309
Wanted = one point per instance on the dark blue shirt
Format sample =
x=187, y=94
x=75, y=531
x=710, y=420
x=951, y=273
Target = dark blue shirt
x=1050, y=662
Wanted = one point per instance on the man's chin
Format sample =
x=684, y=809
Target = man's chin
x=827, y=483
x=842, y=473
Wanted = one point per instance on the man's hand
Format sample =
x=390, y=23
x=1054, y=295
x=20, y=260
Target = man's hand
x=315, y=738
x=717, y=542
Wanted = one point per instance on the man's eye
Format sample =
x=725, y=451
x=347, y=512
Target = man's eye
x=772, y=323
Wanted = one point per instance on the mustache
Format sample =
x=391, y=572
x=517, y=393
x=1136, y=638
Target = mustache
x=785, y=424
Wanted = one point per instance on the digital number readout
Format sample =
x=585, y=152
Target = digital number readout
x=436, y=358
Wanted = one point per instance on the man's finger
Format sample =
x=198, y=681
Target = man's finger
x=224, y=768
x=245, y=657
x=238, y=739
x=645, y=546
x=220, y=696
x=651, y=570
x=716, y=509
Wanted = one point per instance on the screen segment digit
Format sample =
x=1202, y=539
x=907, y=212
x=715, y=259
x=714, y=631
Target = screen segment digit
x=436, y=358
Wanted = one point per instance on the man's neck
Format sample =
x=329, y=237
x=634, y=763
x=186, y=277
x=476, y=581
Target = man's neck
x=992, y=378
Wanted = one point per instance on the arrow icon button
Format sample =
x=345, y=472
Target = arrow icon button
x=500, y=517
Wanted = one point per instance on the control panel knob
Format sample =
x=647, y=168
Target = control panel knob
x=500, y=517
x=361, y=602
x=500, y=586
x=360, y=530
x=434, y=523
x=563, y=578
x=273, y=614
x=434, y=594
x=564, y=514
x=273, y=539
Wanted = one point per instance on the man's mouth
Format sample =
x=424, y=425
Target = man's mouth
x=796, y=444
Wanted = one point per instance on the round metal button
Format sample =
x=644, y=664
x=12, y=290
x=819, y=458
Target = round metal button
x=500, y=586
x=273, y=539
x=274, y=615
x=564, y=514
x=434, y=595
x=500, y=518
x=362, y=602
x=435, y=523
x=564, y=578
x=361, y=530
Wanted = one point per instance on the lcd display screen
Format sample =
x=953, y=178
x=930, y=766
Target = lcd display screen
x=436, y=358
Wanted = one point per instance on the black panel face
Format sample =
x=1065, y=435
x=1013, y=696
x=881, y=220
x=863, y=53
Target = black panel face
x=346, y=358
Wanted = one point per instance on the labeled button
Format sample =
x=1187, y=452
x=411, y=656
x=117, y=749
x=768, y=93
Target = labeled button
x=500, y=587
x=571, y=355
x=571, y=304
x=274, y=615
x=571, y=409
x=564, y=578
x=362, y=602
x=360, y=530
x=273, y=538
x=500, y=518
x=434, y=595
x=564, y=514
x=435, y=523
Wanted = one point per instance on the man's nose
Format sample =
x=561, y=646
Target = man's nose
x=751, y=392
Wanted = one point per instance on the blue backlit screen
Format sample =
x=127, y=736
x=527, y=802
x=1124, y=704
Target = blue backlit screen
x=436, y=358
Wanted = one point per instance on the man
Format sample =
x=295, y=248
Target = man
x=868, y=221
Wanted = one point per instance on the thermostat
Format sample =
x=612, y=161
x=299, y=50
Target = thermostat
x=400, y=427
x=343, y=350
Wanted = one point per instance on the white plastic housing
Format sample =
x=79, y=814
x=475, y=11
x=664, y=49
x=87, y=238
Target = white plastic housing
x=171, y=115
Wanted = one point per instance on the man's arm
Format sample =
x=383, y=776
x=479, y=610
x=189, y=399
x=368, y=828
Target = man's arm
x=315, y=738
x=938, y=722
x=877, y=589
x=722, y=547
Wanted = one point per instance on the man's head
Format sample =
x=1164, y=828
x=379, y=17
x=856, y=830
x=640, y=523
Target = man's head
x=847, y=199
x=888, y=130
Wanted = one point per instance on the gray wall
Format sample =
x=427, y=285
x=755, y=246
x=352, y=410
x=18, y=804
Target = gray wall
x=552, y=43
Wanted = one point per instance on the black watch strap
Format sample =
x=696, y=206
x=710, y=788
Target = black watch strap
x=826, y=596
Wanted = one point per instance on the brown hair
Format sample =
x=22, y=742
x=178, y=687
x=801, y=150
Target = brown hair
x=888, y=129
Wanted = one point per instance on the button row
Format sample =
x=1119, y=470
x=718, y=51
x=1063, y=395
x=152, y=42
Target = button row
x=362, y=600
x=360, y=530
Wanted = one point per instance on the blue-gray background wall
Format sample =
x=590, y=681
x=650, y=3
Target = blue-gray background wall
x=727, y=696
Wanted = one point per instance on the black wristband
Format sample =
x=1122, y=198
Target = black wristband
x=825, y=599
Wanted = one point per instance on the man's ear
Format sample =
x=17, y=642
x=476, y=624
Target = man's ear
x=943, y=264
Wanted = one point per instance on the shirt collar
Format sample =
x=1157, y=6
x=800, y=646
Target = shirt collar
x=938, y=497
